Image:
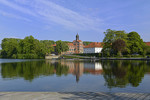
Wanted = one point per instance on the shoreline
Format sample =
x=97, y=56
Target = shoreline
x=147, y=59
x=86, y=58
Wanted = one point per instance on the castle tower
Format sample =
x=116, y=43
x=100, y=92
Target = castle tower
x=77, y=37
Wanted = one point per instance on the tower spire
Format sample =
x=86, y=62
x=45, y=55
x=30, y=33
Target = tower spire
x=77, y=37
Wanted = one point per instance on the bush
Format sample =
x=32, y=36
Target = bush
x=127, y=56
x=28, y=56
x=14, y=56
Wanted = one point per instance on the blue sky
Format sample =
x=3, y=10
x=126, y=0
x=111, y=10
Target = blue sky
x=63, y=19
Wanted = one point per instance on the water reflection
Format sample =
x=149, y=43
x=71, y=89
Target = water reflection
x=31, y=70
x=115, y=73
x=123, y=73
x=79, y=68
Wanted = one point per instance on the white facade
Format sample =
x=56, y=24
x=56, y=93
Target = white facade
x=93, y=50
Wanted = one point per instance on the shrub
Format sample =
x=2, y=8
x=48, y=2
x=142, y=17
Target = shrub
x=14, y=56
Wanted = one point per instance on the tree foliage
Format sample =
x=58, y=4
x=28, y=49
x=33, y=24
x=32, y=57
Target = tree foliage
x=119, y=46
x=61, y=46
x=113, y=40
x=135, y=43
x=25, y=48
x=110, y=37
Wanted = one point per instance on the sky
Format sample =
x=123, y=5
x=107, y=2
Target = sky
x=63, y=19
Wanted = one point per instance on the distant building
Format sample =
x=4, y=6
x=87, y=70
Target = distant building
x=94, y=47
x=75, y=47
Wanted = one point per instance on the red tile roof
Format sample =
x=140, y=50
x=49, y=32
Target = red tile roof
x=94, y=44
x=147, y=43
x=54, y=45
x=77, y=40
x=70, y=44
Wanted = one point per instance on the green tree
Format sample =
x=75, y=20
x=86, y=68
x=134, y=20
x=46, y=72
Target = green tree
x=110, y=37
x=29, y=48
x=61, y=46
x=135, y=43
x=9, y=46
x=47, y=46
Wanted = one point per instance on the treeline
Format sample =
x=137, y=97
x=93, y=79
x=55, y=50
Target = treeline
x=120, y=43
x=30, y=48
x=27, y=48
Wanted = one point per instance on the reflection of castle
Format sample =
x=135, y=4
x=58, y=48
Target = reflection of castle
x=78, y=68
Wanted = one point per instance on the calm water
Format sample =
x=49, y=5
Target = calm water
x=71, y=76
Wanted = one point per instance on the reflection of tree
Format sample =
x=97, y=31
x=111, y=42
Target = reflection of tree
x=137, y=71
x=122, y=73
x=61, y=69
x=31, y=70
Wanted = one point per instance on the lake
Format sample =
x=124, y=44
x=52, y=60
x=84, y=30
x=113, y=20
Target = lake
x=74, y=75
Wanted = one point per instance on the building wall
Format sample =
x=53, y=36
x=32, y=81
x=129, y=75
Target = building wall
x=89, y=50
x=98, y=50
x=93, y=50
x=75, y=47
x=78, y=44
x=71, y=49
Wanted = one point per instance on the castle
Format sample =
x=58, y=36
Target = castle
x=75, y=47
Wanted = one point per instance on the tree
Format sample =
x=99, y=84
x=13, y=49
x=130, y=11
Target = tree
x=61, y=46
x=110, y=37
x=29, y=47
x=10, y=46
x=119, y=46
x=47, y=45
x=135, y=43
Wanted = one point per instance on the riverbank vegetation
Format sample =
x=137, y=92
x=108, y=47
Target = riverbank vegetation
x=120, y=43
x=28, y=48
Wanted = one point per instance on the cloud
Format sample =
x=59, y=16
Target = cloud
x=13, y=16
x=17, y=7
x=50, y=12
x=66, y=17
